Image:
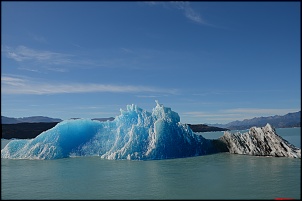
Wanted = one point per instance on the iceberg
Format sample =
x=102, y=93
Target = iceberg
x=135, y=134
x=260, y=141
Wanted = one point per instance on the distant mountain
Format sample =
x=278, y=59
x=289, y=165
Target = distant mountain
x=17, y=128
x=218, y=125
x=205, y=128
x=9, y=120
x=33, y=119
x=40, y=119
x=98, y=119
x=104, y=119
x=277, y=121
x=25, y=130
x=30, y=127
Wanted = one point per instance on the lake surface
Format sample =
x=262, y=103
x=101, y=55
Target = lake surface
x=216, y=176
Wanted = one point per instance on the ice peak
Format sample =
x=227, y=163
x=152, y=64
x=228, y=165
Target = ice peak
x=262, y=141
x=158, y=104
x=135, y=134
x=268, y=127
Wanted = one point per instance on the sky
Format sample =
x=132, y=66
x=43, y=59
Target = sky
x=211, y=62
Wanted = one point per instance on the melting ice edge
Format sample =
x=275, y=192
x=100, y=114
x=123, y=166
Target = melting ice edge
x=137, y=134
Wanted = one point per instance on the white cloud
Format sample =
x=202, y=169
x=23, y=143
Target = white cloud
x=184, y=6
x=39, y=39
x=147, y=96
x=189, y=12
x=76, y=45
x=22, y=53
x=12, y=85
x=153, y=3
x=40, y=60
x=126, y=50
x=260, y=111
x=12, y=81
x=226, y=116
x=205, y=114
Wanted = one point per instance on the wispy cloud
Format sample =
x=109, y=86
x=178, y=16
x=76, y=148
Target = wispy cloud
x=37, y=38
x=90, y=111
x=228, y=115
x=189, y=12
x=207, y=117
x=126, y=50
x=228, y=92
x=148, y=96
x=76, y=45
x=213, y=117
x=185, y=7
x=260, y=111
x=42, y=60
x=13, y=85
x=12, y=81
x=205, y=114
x=22, y=53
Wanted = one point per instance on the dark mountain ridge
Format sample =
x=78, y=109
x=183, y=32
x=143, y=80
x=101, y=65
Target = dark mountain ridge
x=33, y=119
x=285, y=121
x=30, y=127
x=205, y=128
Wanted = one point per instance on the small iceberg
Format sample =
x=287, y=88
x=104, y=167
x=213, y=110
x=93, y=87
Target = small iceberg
x=262, y=141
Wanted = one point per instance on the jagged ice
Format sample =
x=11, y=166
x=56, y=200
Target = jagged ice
x=135, y=134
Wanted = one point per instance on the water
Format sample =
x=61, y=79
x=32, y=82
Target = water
x=217, y=176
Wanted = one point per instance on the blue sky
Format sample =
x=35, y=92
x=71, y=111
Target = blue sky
x=212, y=62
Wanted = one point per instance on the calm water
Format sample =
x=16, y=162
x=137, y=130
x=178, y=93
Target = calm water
x=217, y=176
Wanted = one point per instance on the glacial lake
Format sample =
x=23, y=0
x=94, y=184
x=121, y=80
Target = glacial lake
x=216, y=176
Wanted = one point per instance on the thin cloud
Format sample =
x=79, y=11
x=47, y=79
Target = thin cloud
x=185, y=7
x=153, y=3
x=227, y=92
x=13, y=81
x=12, y=85
x=147, y=96
x=76, y=45
x=213, y=117
x=189, y=12
x=61, y=70
x=28, y=69
x=37, y=38
x=260, y=111
x=226, y=116
x=40, y=60
x=126, y=50
x=205, y=114
x=22, y=53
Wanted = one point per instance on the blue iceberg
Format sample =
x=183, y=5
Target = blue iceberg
x=135, y=134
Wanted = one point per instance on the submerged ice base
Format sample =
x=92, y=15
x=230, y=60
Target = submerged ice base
x=135, y=134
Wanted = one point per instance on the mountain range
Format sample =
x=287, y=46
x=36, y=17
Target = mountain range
x=30, y=127
x=277, y=121
x=33, y=119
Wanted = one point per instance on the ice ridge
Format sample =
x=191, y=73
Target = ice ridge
x=260, y=141
x=135, y=134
